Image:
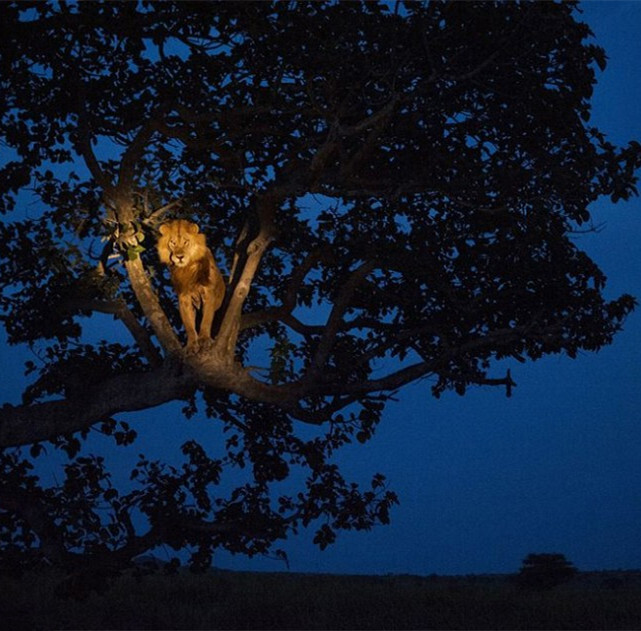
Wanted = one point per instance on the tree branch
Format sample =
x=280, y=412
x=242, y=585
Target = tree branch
x=127, y=392
x=156, y=216
x=151, y=306
x=267, y=206
x=121, y=197
x=336, y=318
x=136, y=148
x=284, y=311
x=182, y=134
x=506, y=381
x=374, y=120
x=119, y=309
x=20, y=425
x=390, y=382
x=87, y=153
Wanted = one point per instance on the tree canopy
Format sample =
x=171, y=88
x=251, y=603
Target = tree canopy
x=391, y=192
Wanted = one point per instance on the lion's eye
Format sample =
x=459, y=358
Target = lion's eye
x=172, y=243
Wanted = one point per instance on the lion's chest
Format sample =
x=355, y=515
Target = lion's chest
x=191, y=280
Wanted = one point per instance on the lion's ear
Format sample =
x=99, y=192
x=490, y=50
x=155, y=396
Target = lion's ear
x=192, y=228
x=163, y=228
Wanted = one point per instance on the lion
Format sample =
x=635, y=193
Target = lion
x=194, y=276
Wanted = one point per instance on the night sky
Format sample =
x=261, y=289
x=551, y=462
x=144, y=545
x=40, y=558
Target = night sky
x=484, y=480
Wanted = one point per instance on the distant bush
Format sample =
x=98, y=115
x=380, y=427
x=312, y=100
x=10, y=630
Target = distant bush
x=545, y=571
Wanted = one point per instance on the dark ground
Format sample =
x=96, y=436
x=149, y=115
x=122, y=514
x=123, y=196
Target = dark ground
x=231, y=600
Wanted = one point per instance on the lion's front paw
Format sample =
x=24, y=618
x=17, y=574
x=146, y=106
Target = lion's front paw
x=192, y=347
x=205, y=343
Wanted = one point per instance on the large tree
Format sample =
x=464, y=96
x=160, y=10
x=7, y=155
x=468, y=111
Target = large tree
x=391, y=192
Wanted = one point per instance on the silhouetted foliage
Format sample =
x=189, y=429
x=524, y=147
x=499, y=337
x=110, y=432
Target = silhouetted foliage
x=545, y=571
x=391, y=192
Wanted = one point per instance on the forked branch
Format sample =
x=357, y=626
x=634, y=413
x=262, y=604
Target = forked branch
x=230, y=326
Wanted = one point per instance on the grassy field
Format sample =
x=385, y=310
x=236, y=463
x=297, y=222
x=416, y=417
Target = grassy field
x=226, y=600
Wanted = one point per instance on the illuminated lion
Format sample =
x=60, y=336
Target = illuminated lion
x=194, y=275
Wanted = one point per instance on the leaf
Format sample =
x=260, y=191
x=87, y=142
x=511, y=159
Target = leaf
x=35, y=450
x=110, y=494
x=134, y=252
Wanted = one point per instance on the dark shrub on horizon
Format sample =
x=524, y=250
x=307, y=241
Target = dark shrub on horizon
x=545, y=571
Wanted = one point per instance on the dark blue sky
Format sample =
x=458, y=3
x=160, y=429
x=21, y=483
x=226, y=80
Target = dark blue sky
x=484, y=480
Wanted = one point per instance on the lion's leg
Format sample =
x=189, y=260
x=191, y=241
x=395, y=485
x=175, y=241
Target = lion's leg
x=212, y=299
x=188, y=316
x=209, y=308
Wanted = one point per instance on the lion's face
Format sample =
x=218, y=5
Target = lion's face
x=180, y=243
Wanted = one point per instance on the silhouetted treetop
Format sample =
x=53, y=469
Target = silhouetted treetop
x=545, y=571
x=390, y=191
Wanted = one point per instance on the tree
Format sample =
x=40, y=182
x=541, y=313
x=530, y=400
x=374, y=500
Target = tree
x=545, y=571
x=390, y=191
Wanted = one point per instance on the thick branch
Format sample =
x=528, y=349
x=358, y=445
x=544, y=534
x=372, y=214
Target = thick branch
x=129, y=392
x=151, y=306
x=121, y=198
x=23, y=425
x=228, y=333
